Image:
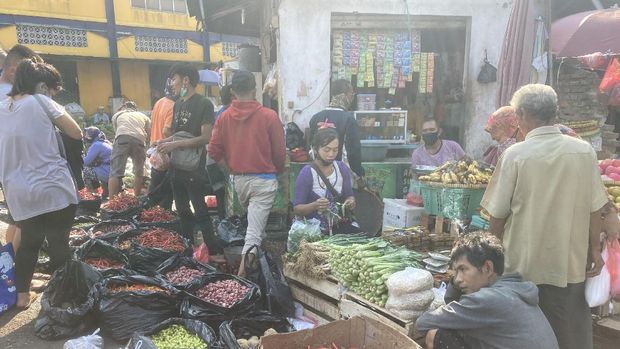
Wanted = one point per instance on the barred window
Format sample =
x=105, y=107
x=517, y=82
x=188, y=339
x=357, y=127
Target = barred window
x=51, y=36
x=230, y=49
x=179, y=6
x=158, y=44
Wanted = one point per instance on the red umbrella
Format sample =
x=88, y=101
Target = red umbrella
x=585, y=33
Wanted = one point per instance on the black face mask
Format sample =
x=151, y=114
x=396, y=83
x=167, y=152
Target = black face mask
x=321, y=161
x=430, y=138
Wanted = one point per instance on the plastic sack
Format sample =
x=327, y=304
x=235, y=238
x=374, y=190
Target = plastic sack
x=175, y=262
x=107, y=214
x=598, y=288
x=611, y=77
x=8, y=292
x=159, y=161
x=418, y=301
x=88, y=207
x=123, y=313
x=147, y=259
x=110, y=230
x=309, y=230
x=67, y=304
x=199, y=309
x=84, y=222
x=410, y=280
x=92, y=341
x=201, y=253
x=199, y=328
x=440, y=293
x=247, y=326
x=174, y=224
x=100, y=249
x=613, y=266
x=276, y=296
x=232, y=230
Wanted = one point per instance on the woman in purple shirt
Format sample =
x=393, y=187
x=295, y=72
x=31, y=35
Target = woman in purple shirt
x=315, y=199
x=436, y=151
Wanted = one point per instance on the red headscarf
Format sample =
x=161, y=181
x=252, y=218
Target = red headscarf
x=504, y=119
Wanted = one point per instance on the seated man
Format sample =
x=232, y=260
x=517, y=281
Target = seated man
x=495, y=310
x=435, y=151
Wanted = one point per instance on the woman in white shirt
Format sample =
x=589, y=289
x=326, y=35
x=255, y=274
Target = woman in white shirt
x=37, y=182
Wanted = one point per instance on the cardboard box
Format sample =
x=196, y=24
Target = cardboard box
x=358, y=332
x=398, y=214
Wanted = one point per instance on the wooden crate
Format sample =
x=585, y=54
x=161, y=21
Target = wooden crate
x=352, y=305
x=320, y=298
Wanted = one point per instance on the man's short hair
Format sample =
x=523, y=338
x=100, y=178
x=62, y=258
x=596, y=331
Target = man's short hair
x=538, y=100
x=479, y=247
x=130, y=105
x=18, y=53
x=243, y=82
x=183, y=70
x=340, y=86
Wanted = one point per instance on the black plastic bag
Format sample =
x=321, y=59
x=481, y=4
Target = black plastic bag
x=247, y=326
x=107, y=214
x=174, y=224
x=85, y=222
x=147, y=259
x=78, y=237
x=294, y=136
x=66, y=303
x=100, y=249
x=232, y=230
x=110, y=230
x=88, y=207
x=488, y=73
x=196, y=308
x=267, y=273
x=123, y=313
x=175, y=262
x=202, y=330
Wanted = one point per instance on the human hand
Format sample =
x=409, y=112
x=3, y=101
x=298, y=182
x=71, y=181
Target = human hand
x=167, y=148
x=321, y=204
x=350, y=203
x=598, y=262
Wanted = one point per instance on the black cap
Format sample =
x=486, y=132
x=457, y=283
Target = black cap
x=243, y=81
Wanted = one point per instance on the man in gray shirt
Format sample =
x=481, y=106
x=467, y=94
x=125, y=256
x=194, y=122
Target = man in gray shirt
x=495, y=311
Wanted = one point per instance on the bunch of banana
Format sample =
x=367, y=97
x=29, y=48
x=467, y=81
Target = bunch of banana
x=459, y=172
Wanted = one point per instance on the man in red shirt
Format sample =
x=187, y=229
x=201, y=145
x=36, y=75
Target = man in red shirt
x=248, y=139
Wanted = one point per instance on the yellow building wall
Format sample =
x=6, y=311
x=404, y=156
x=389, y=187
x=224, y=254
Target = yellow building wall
x=126, y=49
x=95, y=83
x=216, y=51
x=131, y=16
x=97, y=45
x=135, y=83
x=85, y=10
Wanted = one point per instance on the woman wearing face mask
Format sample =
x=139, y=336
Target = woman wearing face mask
x=39, y=188
x=503, y=127
x=324, y=184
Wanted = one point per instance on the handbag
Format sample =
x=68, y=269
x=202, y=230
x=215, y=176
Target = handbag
x=186, y=159
x=488, y=73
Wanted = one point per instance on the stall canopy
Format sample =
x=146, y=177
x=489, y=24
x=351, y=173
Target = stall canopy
x=586, y=32
x=232, y=17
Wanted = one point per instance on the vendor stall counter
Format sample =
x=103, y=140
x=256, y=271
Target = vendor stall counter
x=389, y=178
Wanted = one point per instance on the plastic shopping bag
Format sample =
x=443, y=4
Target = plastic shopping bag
x=309, y=230
x=613, y=266
x=598, y=287
x=92, y=341
x=8, y=292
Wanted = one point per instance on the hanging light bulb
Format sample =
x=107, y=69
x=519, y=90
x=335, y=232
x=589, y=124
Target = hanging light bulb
x=243, y=15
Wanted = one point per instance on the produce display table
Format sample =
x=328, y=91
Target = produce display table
x=326, y=301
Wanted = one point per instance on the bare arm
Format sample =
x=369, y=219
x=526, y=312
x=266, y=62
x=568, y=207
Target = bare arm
x=68, y=126
x=497, y=227
x=595, y=244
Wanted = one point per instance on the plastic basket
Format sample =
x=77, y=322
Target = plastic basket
x=452, y=203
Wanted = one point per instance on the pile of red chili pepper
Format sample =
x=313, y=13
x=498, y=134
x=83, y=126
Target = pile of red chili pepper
x=103, y=263
x=122, y=202
x=183, y=275
x=161, y=238
x=135, y=288
x=224, y=293
x=77, y=233
x=156, y=214
x=87, y=195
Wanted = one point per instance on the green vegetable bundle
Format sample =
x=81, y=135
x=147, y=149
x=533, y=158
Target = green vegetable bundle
x=176, y=336
x=364, y=266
